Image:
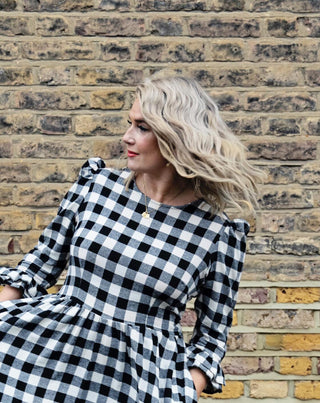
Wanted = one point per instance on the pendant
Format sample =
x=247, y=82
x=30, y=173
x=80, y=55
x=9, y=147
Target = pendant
x=145, y=214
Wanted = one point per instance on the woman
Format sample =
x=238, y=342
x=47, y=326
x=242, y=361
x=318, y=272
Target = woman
x=138, y=244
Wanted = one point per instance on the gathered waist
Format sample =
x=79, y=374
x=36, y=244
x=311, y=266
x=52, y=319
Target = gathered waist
x=163, y=320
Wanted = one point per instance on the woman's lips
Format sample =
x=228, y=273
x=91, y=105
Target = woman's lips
x=131, y=154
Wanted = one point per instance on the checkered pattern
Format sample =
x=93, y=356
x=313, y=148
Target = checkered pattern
x=112, y=332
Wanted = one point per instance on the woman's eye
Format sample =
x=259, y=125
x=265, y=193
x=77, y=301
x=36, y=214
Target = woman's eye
x=142, y=128
x=129, y=121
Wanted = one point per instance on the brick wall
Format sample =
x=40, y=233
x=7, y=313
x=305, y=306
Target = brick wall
x=67, y=75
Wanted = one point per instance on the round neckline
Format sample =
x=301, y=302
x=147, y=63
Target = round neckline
x=195, y=202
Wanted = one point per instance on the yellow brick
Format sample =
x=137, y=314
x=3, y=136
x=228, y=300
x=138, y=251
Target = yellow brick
x=298, y=295
x=273, y=341
x=307, y=390
x=235, y=319
x=263, y=389
x=295, y=365
x=232, y=390
x=301, y=342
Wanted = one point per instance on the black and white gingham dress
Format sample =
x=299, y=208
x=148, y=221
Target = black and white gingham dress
x=112, y=333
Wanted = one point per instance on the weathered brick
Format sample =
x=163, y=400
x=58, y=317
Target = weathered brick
x=291, y=52
x=274, y=270
x=223, y=51
x=309, y=221
x=166, y=26
x=300, y=26
x=281, y=174
x=8, y=244
x=298, y=295
x=16, y=76
x=297, y=246
x=125, y=26
x=49, y=124
x=300, y=342
x=12, y=26
x=312, y=78
x=46, y=100
x=310, y=174
x=9, y=50
x=54, y=172
x=118, y=5
x=57, y=5
x=245, y=125
x=14, y=172
x=314, y=270
x=6, y=195
x=307, y=390
x=217, y=77
x=312, y=126
x=283, y=150
x=43, y=219
x=170, y=52
x=229, y=5
x=285, y=198
x=48, y=50
x=100, y=125
x=52, y=149
x=303, y=6
x=107, y=99
x=120, y=51
x=8, y=5
x=39, y=195
x=222, y=27
x=273, y=341
x=242, y=341
x=232, y=390
x=284, y=127
x=271, y=389
x=247, y=365
x=5, y=149
x=55, y=75
x=278, y=319
x=107, y=149
x=52, y=26
x=259, y=245
x=253, y=296
x=15, y=220
x=170, y=5
x=110, y=75
x=227, y=101
x=277, y=223
x=280, y=103
x=17, y=123
x=6, y=99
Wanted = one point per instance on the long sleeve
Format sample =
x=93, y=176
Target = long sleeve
x=215, y=303
x=41, y=267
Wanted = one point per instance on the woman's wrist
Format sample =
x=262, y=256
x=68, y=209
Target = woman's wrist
x=9, y=293
x=199, y=379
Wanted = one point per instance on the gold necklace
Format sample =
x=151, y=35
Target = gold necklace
x=146, y=214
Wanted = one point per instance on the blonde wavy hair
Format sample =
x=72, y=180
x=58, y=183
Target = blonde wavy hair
x=193, y=137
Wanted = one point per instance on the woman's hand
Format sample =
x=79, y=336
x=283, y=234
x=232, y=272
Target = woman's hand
x=199, y=380
x=9, y=293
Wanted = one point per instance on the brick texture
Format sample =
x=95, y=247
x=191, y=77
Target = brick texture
x=67, y=78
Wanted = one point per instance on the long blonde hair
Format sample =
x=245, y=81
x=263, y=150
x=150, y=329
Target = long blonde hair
x=193, y=137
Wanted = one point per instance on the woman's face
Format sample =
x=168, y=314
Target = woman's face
x=142, y=146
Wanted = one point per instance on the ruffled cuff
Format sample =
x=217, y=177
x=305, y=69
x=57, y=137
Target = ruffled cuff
x=213, y=372
x=18, y=278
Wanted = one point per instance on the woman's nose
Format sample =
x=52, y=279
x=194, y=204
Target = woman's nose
x=128, y=136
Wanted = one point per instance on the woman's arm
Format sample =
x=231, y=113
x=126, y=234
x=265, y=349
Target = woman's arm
x=199, y=380
x=8, y=293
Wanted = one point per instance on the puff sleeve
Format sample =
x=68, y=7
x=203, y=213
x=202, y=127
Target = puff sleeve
x=215, y=302
x=41, y=267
